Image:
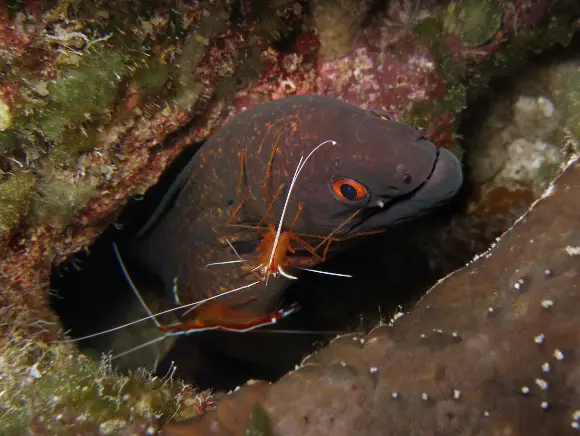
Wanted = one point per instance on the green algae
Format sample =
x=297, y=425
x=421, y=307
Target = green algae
x=188, y=86
x=571, y=104
x=245, y=73
x=474, y=21
x=7, y=142
x=59, y=201
x=151, y=79
x=82, y=92
x=15, y=197
x=46, y=384
x=77, y=140
x=337, y=23
x=265, y=14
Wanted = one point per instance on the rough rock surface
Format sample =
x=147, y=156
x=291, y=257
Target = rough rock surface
x=491, y=349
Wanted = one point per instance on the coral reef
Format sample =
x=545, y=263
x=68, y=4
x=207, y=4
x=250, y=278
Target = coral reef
x=492, y=347
x=97, y=97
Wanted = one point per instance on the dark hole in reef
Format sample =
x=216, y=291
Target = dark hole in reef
x=390, y=270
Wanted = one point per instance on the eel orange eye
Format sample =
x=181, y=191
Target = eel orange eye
x=348, y=190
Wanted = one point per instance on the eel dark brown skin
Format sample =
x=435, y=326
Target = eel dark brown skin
x=402, y=176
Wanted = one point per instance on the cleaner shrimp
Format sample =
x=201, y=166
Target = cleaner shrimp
x=273, y=251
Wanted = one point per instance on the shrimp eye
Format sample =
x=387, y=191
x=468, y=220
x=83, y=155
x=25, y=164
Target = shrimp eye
x=348, y=190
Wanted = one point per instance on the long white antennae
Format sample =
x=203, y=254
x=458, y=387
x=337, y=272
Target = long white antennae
x=285, y=274
x=151, y=316
x=194, y=305
x=240, y=258
x=327, y=273
x=138, y=347
x=234, y=250
x=301, y=164
x=227, y=262
x=133, y=287
x=301, y=332
x=114, y=329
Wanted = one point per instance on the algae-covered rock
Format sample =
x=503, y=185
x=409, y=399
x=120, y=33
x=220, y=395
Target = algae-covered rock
x=52, y=390
x=15, y=196
x=60, y=200
x=87, y=93
x=82, y=92
x=571, y=100
x=475, y=21
x=338, y=22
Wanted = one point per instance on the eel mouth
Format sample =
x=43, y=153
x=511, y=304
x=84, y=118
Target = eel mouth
x=440, y=186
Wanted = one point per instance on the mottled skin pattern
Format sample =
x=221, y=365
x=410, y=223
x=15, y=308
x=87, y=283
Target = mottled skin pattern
x=401, y=170
x=493, y=349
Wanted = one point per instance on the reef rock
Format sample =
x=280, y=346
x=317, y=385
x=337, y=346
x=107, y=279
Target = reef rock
x=491, y=349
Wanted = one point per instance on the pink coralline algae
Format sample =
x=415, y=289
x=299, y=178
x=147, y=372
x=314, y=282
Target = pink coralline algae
x=417, y=60
x=366, y=75
x=388, y=82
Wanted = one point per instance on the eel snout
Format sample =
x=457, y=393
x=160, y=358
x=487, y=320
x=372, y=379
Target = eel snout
x=440, y=186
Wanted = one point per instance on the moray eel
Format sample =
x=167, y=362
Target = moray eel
x=385, y=170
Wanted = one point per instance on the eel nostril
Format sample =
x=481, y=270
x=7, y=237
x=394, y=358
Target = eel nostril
x=403, y=174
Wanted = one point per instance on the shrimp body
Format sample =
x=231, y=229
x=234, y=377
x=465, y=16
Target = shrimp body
x=219, y=317
x=265, y=249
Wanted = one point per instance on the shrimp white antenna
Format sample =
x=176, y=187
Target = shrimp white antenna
x=138, y=347
x=192, y=306
x=285, y=274
x=326, y=272
x=301, y=164
x=240, y=259
x=234, y=250
x=151, y=315
x=227, y=262
x=133, y=287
